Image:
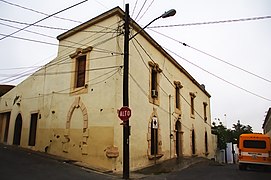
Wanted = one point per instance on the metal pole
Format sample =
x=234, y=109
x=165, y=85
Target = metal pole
x=126, y=131
x=169, y=117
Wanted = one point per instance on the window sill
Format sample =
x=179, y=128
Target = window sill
x=158, y=156
x=79, y=90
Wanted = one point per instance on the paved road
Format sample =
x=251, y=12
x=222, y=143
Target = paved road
x=17, y=164
x=212, y=171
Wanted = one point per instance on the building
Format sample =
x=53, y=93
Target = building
x=69, y=107
x=267, y=123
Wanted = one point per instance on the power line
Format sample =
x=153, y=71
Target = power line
x=146, y=10
x=28, y=31
x=170, y=82
x=58, y=73
x=114, y=71
x=49, y=43
x=141, y=9
x=250, y=92
x=42, y=20
x=37, y=34
x=146, y=94
x=51, y=27
x=32, y=67
x=36, y=41
x=214, y=57
x=39, y=12
x=214, y=22
x=82, y=45
x=134, y=7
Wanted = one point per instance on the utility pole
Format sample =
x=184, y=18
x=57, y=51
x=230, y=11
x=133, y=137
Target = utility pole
x=126, y=127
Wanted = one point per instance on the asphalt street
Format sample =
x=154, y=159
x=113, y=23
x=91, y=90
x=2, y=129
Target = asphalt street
x=16, y=163
x=212, y=171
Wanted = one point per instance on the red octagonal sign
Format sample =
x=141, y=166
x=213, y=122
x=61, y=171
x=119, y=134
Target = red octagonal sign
x=124, y=113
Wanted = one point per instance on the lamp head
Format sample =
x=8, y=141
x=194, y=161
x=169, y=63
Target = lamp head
x=169, y=13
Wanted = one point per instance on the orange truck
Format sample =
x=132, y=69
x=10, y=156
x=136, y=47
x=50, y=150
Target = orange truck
x=254, y=149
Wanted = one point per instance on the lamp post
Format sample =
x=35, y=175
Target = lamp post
x=126, y=127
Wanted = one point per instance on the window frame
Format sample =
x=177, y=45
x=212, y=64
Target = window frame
x=177, y=102
x=192, y=105
x=79, y=53
x=154, y=80
x=80, y=72
x=205, y=111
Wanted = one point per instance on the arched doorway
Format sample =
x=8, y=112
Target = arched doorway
x=193, y=142
x=17, y=130
x=178, y=138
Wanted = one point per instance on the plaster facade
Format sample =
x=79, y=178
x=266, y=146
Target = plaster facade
x=81, y=123
x=267, y=123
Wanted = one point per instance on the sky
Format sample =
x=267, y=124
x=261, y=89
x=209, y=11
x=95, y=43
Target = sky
x=232, y=59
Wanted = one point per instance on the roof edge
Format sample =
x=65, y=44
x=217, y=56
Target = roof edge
x=93, y=21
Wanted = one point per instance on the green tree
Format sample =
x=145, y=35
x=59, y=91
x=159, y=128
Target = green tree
x=225, y=135
x=221, y=131
x=239, y=129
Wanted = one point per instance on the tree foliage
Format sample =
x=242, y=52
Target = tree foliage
x=225, y=135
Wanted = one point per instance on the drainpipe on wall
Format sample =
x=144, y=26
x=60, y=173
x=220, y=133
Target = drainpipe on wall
x=169, y=117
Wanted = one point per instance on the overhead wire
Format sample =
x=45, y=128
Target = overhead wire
x=39, y=12
x=46, y=35
x=228, y=82
x=27, y=73
x=146, y=93
x=140, y=9
x=53, y=27
x=170, y=82
x=62, y=91
x=33, y=32
x=145, y=10
x=134, y=8
x=213, y=22
x=214, y=57
x=42, y=20
x=98, y=50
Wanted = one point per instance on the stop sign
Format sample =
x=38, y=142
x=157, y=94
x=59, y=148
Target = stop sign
x=124, y=113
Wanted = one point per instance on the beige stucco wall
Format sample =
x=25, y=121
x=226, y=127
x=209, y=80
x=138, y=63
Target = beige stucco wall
x=81, y=125
x=143, y=109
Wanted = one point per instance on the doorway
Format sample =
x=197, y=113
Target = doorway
x=193, y=143
x=17, y=130
x=178, y=139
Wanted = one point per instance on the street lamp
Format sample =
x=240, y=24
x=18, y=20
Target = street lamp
x=169, y=13
x=126, y=127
